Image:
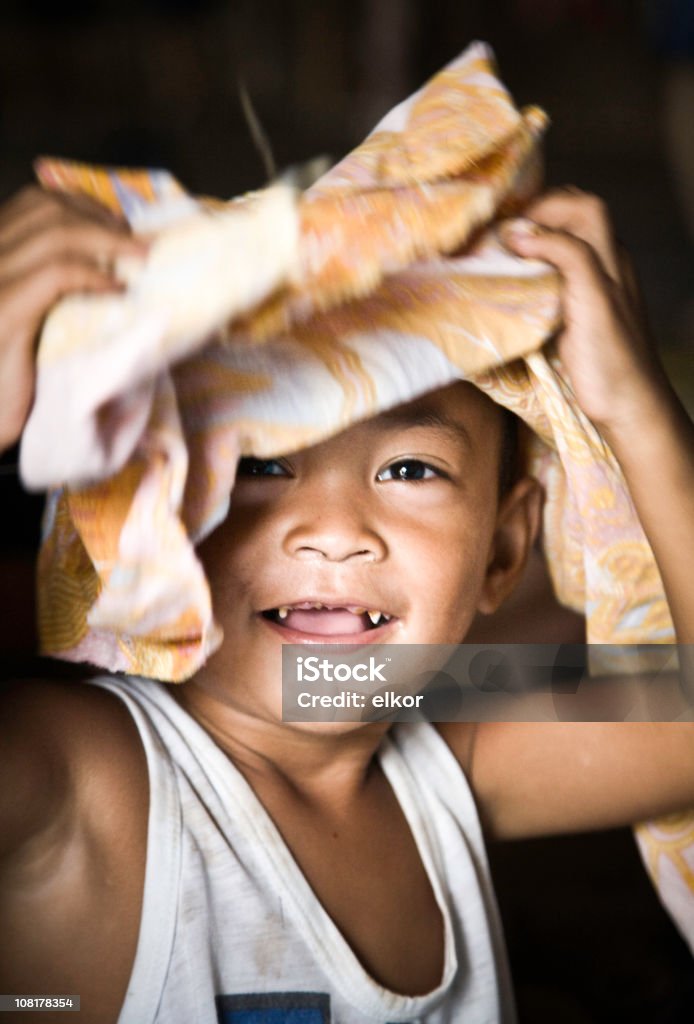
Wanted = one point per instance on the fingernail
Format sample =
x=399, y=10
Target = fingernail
x=520, y=227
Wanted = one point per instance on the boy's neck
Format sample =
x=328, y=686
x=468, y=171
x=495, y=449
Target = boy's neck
x=329, y=766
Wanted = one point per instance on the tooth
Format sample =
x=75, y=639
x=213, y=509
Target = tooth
x=357, y=611
x=283, y=612
x=374, y=616
x=317, y=606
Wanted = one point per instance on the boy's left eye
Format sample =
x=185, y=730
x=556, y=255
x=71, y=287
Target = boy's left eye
x=409, y=470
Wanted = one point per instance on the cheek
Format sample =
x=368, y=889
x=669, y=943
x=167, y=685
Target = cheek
x=456, y=590
x=449, y=576
x=230, y=557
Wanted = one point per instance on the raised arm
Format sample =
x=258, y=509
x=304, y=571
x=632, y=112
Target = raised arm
x=619, y=381
x=533, y=778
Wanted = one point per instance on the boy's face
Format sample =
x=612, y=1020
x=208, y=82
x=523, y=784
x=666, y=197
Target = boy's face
x=398, y=515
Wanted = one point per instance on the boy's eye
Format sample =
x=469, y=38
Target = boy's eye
x=261, y=467
x=409, y=470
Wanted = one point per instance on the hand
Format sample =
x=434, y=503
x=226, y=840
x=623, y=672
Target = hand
x=50, y=245
x=604, y=344
x=621, y=386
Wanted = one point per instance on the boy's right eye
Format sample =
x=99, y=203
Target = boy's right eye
x=261, y=467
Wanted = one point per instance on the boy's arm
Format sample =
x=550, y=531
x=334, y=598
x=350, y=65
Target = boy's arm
x=533, y=778
x=73, y=828
x=542, y=778
x=66, y=748
x=35, y=779
x=619, y=381
x=50, y=245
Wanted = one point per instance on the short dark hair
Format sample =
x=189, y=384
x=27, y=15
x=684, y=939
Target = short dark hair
x=509, y=463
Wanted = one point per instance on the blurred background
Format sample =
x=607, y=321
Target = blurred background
x=156, y=83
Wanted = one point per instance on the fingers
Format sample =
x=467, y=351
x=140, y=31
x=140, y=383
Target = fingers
x=583, y=215
x=597, y=258
x=574, y=258
x=604, y=341
x=27, y=297
x=38, y=228
x=36, y=200
x=24, y=302
x=50, y=245
x=572, y=230
x=92, y=208
x=68, y=239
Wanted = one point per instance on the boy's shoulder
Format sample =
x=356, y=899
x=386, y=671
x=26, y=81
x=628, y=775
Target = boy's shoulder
x=66, y=743
x=70, y=716
x=73, y=835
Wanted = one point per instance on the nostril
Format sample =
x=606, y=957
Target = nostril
x=308, y=552
x=333, y=545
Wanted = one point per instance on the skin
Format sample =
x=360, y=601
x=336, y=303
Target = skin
x=337, y=520
x=336, y=523
x=611, y=773
x=50, y=245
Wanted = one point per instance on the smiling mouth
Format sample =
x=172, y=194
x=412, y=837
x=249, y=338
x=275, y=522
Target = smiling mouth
x=318, y=619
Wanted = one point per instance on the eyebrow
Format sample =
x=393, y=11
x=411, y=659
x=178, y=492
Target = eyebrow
x=407, y=419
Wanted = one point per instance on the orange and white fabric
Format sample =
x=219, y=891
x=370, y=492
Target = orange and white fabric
x=268, y=323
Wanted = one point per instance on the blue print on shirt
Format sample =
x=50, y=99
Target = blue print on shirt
x=274, y=1008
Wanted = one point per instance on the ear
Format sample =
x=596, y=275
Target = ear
x=517, y=525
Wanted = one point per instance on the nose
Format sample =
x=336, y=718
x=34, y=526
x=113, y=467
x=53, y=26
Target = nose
x=334, y=530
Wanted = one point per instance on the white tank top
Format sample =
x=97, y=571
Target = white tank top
x=232, y=933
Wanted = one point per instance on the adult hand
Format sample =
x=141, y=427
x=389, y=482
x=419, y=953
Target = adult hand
x=50, y=245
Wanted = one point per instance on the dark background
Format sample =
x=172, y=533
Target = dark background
x=150, y=82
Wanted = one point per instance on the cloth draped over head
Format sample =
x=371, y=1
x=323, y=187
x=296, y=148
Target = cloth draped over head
x=268, y=323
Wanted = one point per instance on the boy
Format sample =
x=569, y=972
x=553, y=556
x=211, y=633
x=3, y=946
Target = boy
x=328, y=871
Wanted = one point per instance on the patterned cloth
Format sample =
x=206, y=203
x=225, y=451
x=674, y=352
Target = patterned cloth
x=384, y=280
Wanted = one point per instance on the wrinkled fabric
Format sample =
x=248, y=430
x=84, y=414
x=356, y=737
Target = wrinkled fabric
x=384, y=280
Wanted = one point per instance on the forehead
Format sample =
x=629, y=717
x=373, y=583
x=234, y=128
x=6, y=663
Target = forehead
x=460, y=407
x=458, y=411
